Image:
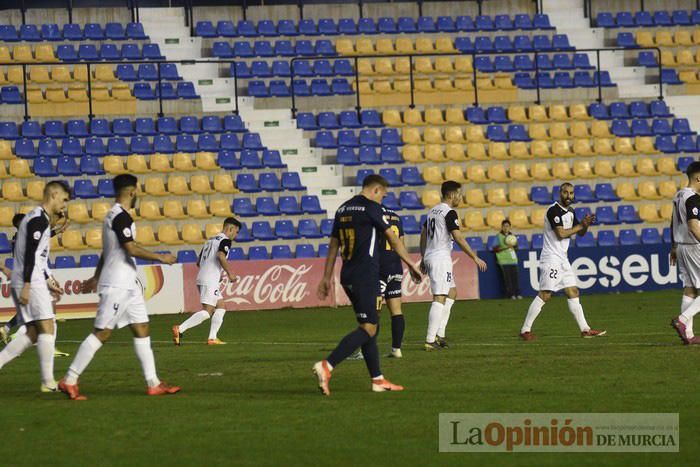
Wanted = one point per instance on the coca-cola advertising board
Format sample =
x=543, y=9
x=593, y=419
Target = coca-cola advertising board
x=272, y=284
x=162, y=288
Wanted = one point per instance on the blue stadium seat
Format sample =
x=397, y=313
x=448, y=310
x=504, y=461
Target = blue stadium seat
x=212, y=124
x=584, y=194
x=606, y=216
x=391, y=201
x=523, y=21
x=115, y=31
x=105, y=188
x=89, y=261
x=368, y=155
x=684, y=143
x=205, y=29
x=50, y=32
x=236, y=254
x=243, y=49
x=629, y=237
x=464, y=44
x=145, y=126
x=43, y=167
x=185, y=90
x=227, y=160
x=258, y=253
x=504, y=23
x=446, y=24
x=620, y=128
x=230, y=142
x=497, y=115
x=29, y=33
x=640, y=127
x=541, y=21
x=266, y=206
x=523, y=43
x=503, y=44
x=291, y=181
x=484, y=23
x=91, y=165
x=76, y=128
x=410, y=225
x=585, y=241
x=476, y=243
x=627, y=214
x=361, y=175
x=651, y=236
x=426, y=24
x=252, y=141
x=518, y=132
x=682, y=126
x=222, y=50
x=269, y=182
x=93, y=32
x=67, y=166
x=284, y=229
x=347, y=26
x=186, y=256
x=540, y=195
x=310, y=204
x=627, y=40
x=243, y=207
x=250, y=159
x=665, y=144
x=662, y=18
x=660, y=126
x=323, y=250
x=117, y=146
x=272, y=159
x=476, y=115
x=341, y=87
x=541, y=43
x=326, y=227
x=537, y=241
x=48, y=148
x=244, y=234
x=606, y=238
x=281, y=252
x=189, y=124
x=31, y=129
x=406, y=25
x=327, y=27
x=263, y=231
x=624, y=19
x=304, y=48
x=263, y=48
x=391, y=176
x=598, y=111
x=246, y=28
x=84, y=189
x=54, y=129
x=308, y=228
x=66, y=53
x=304, y=251
x=346, y=156
x=496, y=133
x=483, y=44
x=288, y=205
x=411, y=176
x=65, y=262
x=606, y=192
x=669, y=76
x=247, y=183
x=410, y=200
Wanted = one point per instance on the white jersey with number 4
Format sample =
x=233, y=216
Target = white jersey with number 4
x=441, y=221
x=209, y=267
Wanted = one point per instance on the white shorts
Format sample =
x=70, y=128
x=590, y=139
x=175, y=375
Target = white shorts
x=40, y=306
x=555, y=276
x=120, y=307
x=689, y=265
x=209, y=295
x=440, y=274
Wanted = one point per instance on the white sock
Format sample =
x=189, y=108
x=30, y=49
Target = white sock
x=55, y=331
x=86, y=352
x=434, y=320
x=14, y=349
x=21, y=331
x=691, y=310
x=217, y=319
x=532, y=313
x=194, y=320
x=577, y=310
x=445, y=317
x=142, y=346
x=6, y=327
x=685, y=303
x=45, y=346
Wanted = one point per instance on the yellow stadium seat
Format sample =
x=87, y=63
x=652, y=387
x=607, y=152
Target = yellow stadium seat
x=403, y=66
x=113, y=165
x=668, y=189
x=72, y=239
x=538, y=113
x=424, y=45
x=77, y=93
x=603, y=147
x=579, y=112
x=121, y=92
x=412, y=153
x=35, y=190
x=558, y=130
x=696, y=37
x=667, y=166
x=519, y=196
x=582, y=169
x=519, y=150
x=537, y=217
x=473, y=220
x=666, y=211
x=538, y=131
x=3, y=171
x=649, y=213
x=6, y=215
x=476, y=173
x=22, y=53
x=519, y=172
x=432, y=175
x=168, y=235
x=365, y=68
x=15, y=75
x=433, y=135
x=61, y=74
x=19, y=168
x=411, y=136
x=6, y=151
x=503, y=82
x=455, y=153
x=39, y=74
x=136, y=163
x=444, y=44
x=683, y=38
x=423, y=65
x=645, y=39
x=582, y=147
x=177, y=185
x=206, y=161
x=579, y=130
x=434, y=117
x=433, y=153
x=454, y=134
x=668, y=59
x=173, y=209
x=430, y=198
x=475, y=134
x=463, y=65
x=688, y=76
x=344, y=47
x=392, y=118
x=197, y=209
x=44, y=53
x=498, y=151
x=444, y=65
x=477, y=152
x=645, y=166
x=100, y=93
x=56, y=95
x=413, y=117
x=223, y=183
x=497, y=197
x=93, y=238
x=626, y=191
x=154, y=186
x=558, y=112
x=150, y=210
x=562, y=171
x=540, y=172
x=464, y=84
x=518, y=219
x=5, y=55
x=422, y=85
x=475, y=198
x=211, y=229
x=624, y=146
x=645, y=145
x=26, y=209
x=625, y=168
x=600, y=129
x=455, y=173
x=685, y=58
x=455, y=116
x=34, y=95
x=78, y=212
x=192, y=234
x=384, y=46
x=104, y=72
x=484, y=82
x=182, y=162
x=603, y=168
x=145, y=236
x=444, y=85
x=80, y=73
x=561, y=148
x=498, y=173
x=54, y=245
x=220, y=207
x=664, y=39
x=540, y=149
x=160, y=163
x=201, y=185
x=494, y=219
x=517, y=114
x=647, y=190
x=99, y=210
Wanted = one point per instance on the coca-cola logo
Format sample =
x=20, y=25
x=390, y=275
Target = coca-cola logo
x=279, y=284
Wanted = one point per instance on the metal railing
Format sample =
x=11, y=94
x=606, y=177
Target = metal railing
x=474, y=55
x=160, y=80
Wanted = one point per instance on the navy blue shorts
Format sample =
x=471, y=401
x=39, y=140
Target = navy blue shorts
x=366, y=300
x=390, y=279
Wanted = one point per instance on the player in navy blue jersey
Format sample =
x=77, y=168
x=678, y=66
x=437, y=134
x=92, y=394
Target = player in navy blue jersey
x=360, y=230
x=390, y=280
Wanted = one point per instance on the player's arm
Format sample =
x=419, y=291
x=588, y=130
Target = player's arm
x=137, y=251
x=222, y=257
x=452, y=223
x=578, y=228
x=90, y=285
x=324, y=286
x=400, y=249
x=35, y=229
x=673, y=255
x=121, y=226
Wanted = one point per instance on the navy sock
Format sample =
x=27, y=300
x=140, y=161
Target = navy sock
x=370, y=351
x=347, y=346
x=398, y=324
x=13, y=322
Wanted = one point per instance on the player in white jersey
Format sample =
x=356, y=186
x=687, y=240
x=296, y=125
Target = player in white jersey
x=32, y=286
x=555, y=270
x=685, y=252
x=212, y=262
x=121, y=301
x=439, y=230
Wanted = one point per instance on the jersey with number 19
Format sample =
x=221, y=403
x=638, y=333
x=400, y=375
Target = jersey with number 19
x=442, y=220
x=686, y=206
x=556, y=272
x=210, y=269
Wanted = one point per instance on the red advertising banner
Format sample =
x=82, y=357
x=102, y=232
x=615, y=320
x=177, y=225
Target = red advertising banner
x=272, y=284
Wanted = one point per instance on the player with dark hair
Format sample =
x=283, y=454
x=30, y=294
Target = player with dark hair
x=439, y=230
x=121, y=294
x=212, y=262
x=685, y=252
x=32, y=290
x=359, y=231
x=555, y=269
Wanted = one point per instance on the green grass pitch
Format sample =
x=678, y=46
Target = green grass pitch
x=255, y=401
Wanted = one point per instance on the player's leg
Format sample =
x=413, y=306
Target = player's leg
x=574, y=303
x=7, y=328
x=22, y=342
x=45, y=346
x=437, y=307
x=217, y=319
x=398, y=326
x=208, y=299
x=446, y=310
x=533, y=312
x=689, y=294
x=440, y=274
